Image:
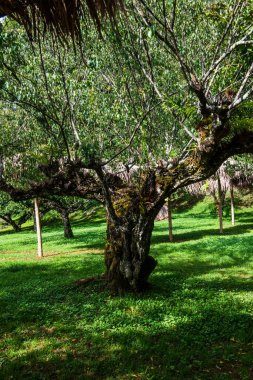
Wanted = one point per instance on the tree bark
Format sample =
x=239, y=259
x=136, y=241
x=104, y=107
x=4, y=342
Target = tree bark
x=11, y=222
x=34, y=222
x=220, y=214
x=170, y=220
x=24, y=218
x=127, y=259
x=68, y=233
x=38, y=227
x=232, y=204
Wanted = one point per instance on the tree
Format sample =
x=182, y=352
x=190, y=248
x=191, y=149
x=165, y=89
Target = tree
x=181, y=200
x=240, y=171
x=66, y=206
x=13, y=213
x=218, y=186
x=169, y=115
x=233, y=173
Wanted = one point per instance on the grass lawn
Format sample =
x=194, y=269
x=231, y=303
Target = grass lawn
x=196, y=322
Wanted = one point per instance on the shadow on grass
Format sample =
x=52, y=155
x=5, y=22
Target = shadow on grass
x=8, y=231
x=198, y=234
x=55, y=226
x=129, y=355
x=90, y=239
x=246, y=218
x=171, y=280
x=60, y=332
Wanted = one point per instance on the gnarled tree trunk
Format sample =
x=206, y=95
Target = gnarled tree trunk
x=127, y=259
x=68, y=233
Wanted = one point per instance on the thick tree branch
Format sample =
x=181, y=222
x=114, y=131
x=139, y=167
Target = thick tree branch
x=199, y=165
x=70, y=179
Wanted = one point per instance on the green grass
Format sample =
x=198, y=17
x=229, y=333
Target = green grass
x=195, y=322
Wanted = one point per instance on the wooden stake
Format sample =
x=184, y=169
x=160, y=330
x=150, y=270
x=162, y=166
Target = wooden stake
x=38, y=227
x=170, y=220
x=232, y=204
x=220, y=205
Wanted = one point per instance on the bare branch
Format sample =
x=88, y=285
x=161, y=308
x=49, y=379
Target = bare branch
x=43, y=69
x=236, y=8
x=150, y=78
x=72, y=119
x=211, y=80
x=242, y=42
x=172, y=45
x=193, y=137
x=244, y=82
x=185, y=150
x=181, y=123
x=69, y=178
x=138, y=125
x=165, y=18
x=153, y=83
x=173, y=17
x=242, y=98
x=12, y=71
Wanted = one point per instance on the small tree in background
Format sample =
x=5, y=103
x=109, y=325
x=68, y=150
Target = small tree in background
x=182, y=200
x=66, y=206
x=218, y=186
x=240, y=172
x=14, y=213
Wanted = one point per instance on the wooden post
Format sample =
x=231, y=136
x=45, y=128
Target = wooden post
x=38, y=227
x=220, y=205
x=232, y=203
x=170, y=220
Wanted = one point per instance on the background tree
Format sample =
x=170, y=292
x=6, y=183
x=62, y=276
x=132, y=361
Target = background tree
x=218, y=186
x=13, y=213
x=182, y=200
x=240, y=172
x=66, y=206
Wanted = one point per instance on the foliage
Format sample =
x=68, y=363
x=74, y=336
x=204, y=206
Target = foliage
x=97, y=117
x=125, y=96
x=8, y=206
